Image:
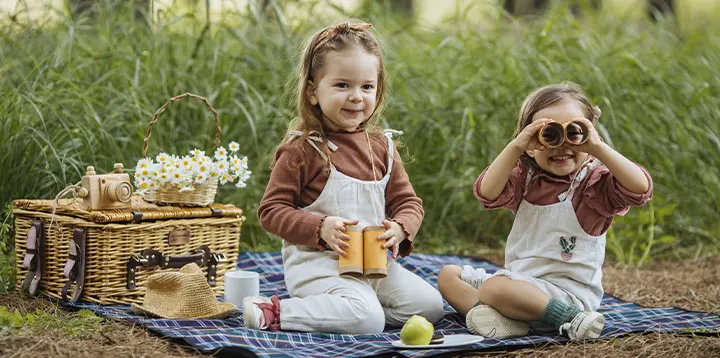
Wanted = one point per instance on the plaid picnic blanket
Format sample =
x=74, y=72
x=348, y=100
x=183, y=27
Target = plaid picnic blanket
x=230, y=336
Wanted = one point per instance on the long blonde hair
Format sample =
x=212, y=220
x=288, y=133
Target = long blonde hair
x=338, y=37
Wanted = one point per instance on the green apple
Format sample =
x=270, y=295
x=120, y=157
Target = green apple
x=417, y=331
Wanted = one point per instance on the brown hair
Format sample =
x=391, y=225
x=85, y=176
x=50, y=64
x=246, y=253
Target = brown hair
x=338, y=37
x=545, y=97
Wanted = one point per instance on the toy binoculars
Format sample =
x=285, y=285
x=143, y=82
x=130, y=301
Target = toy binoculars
x=554, y=134
x=365, y=256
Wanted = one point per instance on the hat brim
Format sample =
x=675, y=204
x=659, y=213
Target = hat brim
x=225, y=309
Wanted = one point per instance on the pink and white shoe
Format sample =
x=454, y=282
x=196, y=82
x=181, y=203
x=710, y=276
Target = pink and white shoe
x=262, y=312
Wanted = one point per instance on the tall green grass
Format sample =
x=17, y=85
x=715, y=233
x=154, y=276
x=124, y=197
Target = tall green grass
x=80, y=92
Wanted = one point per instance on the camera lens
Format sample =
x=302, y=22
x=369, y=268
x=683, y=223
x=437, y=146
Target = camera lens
x=119, y=191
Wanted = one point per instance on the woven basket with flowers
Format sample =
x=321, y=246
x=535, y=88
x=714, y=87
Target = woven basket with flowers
x=190, y=180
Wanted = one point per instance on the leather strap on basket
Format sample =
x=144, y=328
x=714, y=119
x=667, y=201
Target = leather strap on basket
x=75, y=265
x=33, y=257
x=150, y=258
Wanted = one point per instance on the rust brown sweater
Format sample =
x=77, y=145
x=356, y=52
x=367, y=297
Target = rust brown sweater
x=298, y=177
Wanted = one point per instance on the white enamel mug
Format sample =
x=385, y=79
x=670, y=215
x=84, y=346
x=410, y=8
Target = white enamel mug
x=241, y=284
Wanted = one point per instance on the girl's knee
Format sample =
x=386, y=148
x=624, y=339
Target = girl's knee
x=428, y=303
x=492, y=290
x=447, y=275
x=368, y=317
x=432, y=306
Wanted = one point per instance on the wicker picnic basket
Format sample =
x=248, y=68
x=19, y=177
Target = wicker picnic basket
x=105, y=256
x=203, y=194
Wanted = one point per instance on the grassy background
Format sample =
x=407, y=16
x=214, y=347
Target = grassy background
x=80, y=92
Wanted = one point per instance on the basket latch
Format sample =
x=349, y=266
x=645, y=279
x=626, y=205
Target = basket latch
x=215, y=259
x=146, y=258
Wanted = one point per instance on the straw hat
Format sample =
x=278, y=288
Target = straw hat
x=183, y=294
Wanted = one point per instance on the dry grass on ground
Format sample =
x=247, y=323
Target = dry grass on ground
x=689, y=285
x=105, y=339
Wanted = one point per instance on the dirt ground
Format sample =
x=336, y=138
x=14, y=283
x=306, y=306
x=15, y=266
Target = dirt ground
x=689, y=285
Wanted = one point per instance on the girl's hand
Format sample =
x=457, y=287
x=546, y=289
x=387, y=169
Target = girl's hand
x=394, y=235
x=528, y=137
x=333, y=232
x=593, y=142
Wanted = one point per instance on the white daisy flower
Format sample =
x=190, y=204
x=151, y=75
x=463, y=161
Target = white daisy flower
x=213, y=174
x=176, y=177
x=162, y=158
x=185, y=161
x=235, y=160
x=221, y=166
x=197, y=152
x=234, y=146
x=221, y=153
x=152, y=185
x=244, y=162
x=142, y=185
x=202, y=169
x=190, y=168
x=246, y=175
x=164, y=177
x=200, y=178
x=224, y=178
x=144, y=163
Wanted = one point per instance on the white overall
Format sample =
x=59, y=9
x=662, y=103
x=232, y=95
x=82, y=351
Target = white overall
x=548, y=248
x=323, y=301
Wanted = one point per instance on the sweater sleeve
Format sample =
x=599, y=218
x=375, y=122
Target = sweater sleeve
x=511, y=194
x=603, y=193
x=278, y=212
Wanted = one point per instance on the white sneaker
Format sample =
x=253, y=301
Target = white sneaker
x=585, y=325
x=261, y=312
x=486, y=321
x=474, y=277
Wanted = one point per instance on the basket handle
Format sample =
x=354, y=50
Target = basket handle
x=175, y=99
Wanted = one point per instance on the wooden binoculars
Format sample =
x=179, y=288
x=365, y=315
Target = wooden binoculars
x=365, y=256
x=554, y=134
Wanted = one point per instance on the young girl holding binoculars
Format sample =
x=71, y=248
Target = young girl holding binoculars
x=565, y=186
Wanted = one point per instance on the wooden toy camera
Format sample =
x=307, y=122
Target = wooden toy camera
x=106, y=191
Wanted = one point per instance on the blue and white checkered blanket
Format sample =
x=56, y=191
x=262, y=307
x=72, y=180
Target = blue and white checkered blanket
x=230, y=336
